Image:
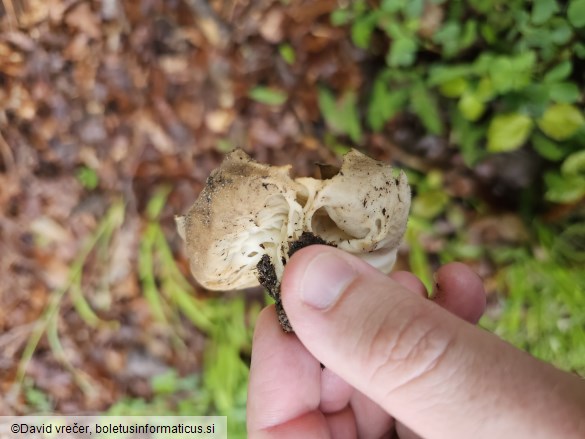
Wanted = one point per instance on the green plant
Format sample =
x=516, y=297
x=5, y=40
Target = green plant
x=492, y=75
x=37, y=400
x=172, y=395
x=87, y=177
x=341, y=114
x=287, y=53
x=268, y=95
x=48, y=321
x=539, y=290
x=222, y=386
x=542, y=312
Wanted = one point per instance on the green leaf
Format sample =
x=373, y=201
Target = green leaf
x=339, y=17
x=430, y=204
x=158, y=202
x=449, y=36
x=570, y=244
x=334, y=145
x=483, y=63
x=539, y=37
x=424, y=104
x=576, y=13
x=564, y=189
x=512, y=73
x=485, y=89
x=327, y=103
x=543, y=10
x=341, y=116
x=384, y=104
x=562, y=32
x=418, y=258
x=165, y=383
x=471, y=107
x=547, y=148
x=508, y=132
x=453, y=88
x=440, y=74
x=362, y=29
x=402, y=52
x=574, y=164
x=579, y=50
x=349, y=116
x=359, y=6
x=488, y=33
x=396, y=30
x=392, y=5
x=468, y=136
x=414, y=8
x=461, y=250
x=287, y=53
x=434, y=179
x=469, y=35
x=533, y=99
x=267, y=95
x=483, y=6
x=88, y=177
x=36, y=398
x=559, y=72
x=564, y=92
x=224, y=146
x=561, y=121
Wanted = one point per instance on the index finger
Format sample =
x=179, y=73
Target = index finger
x=285, y=383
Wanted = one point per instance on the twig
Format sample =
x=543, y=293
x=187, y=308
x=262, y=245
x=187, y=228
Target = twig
x=15, y=334
x=10, y=13
x=7, y=155
x=214, y=29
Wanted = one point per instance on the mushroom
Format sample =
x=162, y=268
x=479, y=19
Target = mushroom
x=250, y=218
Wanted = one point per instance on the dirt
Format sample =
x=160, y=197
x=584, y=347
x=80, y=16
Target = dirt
x=268, y=279
x=305, y=240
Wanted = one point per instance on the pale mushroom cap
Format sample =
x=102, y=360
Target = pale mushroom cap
x=242, y=213
x=249, y=209
x=363, y=210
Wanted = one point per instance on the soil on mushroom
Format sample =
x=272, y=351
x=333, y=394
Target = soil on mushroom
x=305, y=240
x=267, y=274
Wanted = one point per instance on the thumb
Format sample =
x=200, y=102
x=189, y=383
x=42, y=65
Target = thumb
x=437, y=374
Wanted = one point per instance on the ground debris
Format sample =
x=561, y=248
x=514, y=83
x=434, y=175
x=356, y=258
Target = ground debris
x=268, y=279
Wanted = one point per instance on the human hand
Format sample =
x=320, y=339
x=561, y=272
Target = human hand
x=397, y=362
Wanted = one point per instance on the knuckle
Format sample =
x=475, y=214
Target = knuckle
x=406, y=346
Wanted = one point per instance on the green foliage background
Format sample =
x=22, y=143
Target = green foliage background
x=491, y=77
x=508, y=74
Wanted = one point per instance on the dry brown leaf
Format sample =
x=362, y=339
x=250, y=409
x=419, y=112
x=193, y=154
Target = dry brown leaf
x=271, y=26
x=84, y=20
x=219, y=121
x=11, y=61
x=150, y=131
x=34, y=13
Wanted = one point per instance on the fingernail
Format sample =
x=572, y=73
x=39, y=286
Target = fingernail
x=325, y=279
